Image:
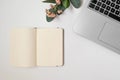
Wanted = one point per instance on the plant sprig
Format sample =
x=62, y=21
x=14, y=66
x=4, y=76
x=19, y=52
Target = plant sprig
x=58, y=7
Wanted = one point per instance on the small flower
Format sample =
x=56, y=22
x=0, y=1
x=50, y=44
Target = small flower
x=58, y=2
x=59, y=11
x=50, y=14
x=52, y=6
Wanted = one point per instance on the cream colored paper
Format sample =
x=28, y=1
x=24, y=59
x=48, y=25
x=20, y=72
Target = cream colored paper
x=36, y=47
x=49, y=47
x=23, y=47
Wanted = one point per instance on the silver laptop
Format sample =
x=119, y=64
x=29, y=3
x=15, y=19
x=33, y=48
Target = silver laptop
x=99, y=21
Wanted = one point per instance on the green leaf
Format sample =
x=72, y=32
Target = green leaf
x=49, y=19
x=76, y=3
x=66, y=3
x=61, y=7
x=54, y=10
x=49, y=1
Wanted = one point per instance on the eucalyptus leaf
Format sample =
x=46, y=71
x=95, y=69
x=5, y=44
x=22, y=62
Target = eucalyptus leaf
x=49, y=19
x=49, y=1
x=54, y=10
x=76, y=3
x=66, y=3
x=61, y=7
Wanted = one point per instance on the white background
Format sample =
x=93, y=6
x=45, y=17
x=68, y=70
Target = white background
x=84, y=60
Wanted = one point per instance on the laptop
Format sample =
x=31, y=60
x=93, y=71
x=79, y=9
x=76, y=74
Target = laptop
x=99, y=21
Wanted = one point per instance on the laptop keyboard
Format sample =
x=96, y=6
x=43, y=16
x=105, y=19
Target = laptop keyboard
x=110, y=8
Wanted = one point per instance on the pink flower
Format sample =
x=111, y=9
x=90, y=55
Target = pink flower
x=58, y=2
x=52, y=6
x=59, y=11
x=50, y=14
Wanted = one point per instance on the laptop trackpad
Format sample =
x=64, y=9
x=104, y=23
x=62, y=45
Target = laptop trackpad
x=111, y=35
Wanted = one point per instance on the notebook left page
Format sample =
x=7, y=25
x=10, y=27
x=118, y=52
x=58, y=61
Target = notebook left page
x=23, y=48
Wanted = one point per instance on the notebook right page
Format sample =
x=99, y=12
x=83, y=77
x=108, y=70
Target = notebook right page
x=49, y=47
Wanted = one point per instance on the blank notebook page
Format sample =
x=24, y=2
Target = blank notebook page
x=23, y=47
x=49, y=47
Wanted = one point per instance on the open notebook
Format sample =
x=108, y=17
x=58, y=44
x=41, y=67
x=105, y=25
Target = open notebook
x=36, y=47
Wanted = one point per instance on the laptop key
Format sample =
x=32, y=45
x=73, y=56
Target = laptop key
x=97, y=8
x=94, y=1
x=101, y=10
x=103, y=5
x=106, y=12
x=99, y=3
x=103, y=1
x=118, y=2
x=108, y=8
x=117, y=7
x=91, y=5
x=112, y=5
x=114, y=16
x=113, y=0
x=117, y=12
x=108, y=2
x=112, y=10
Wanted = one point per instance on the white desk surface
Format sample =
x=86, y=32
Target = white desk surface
x=84, y=60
